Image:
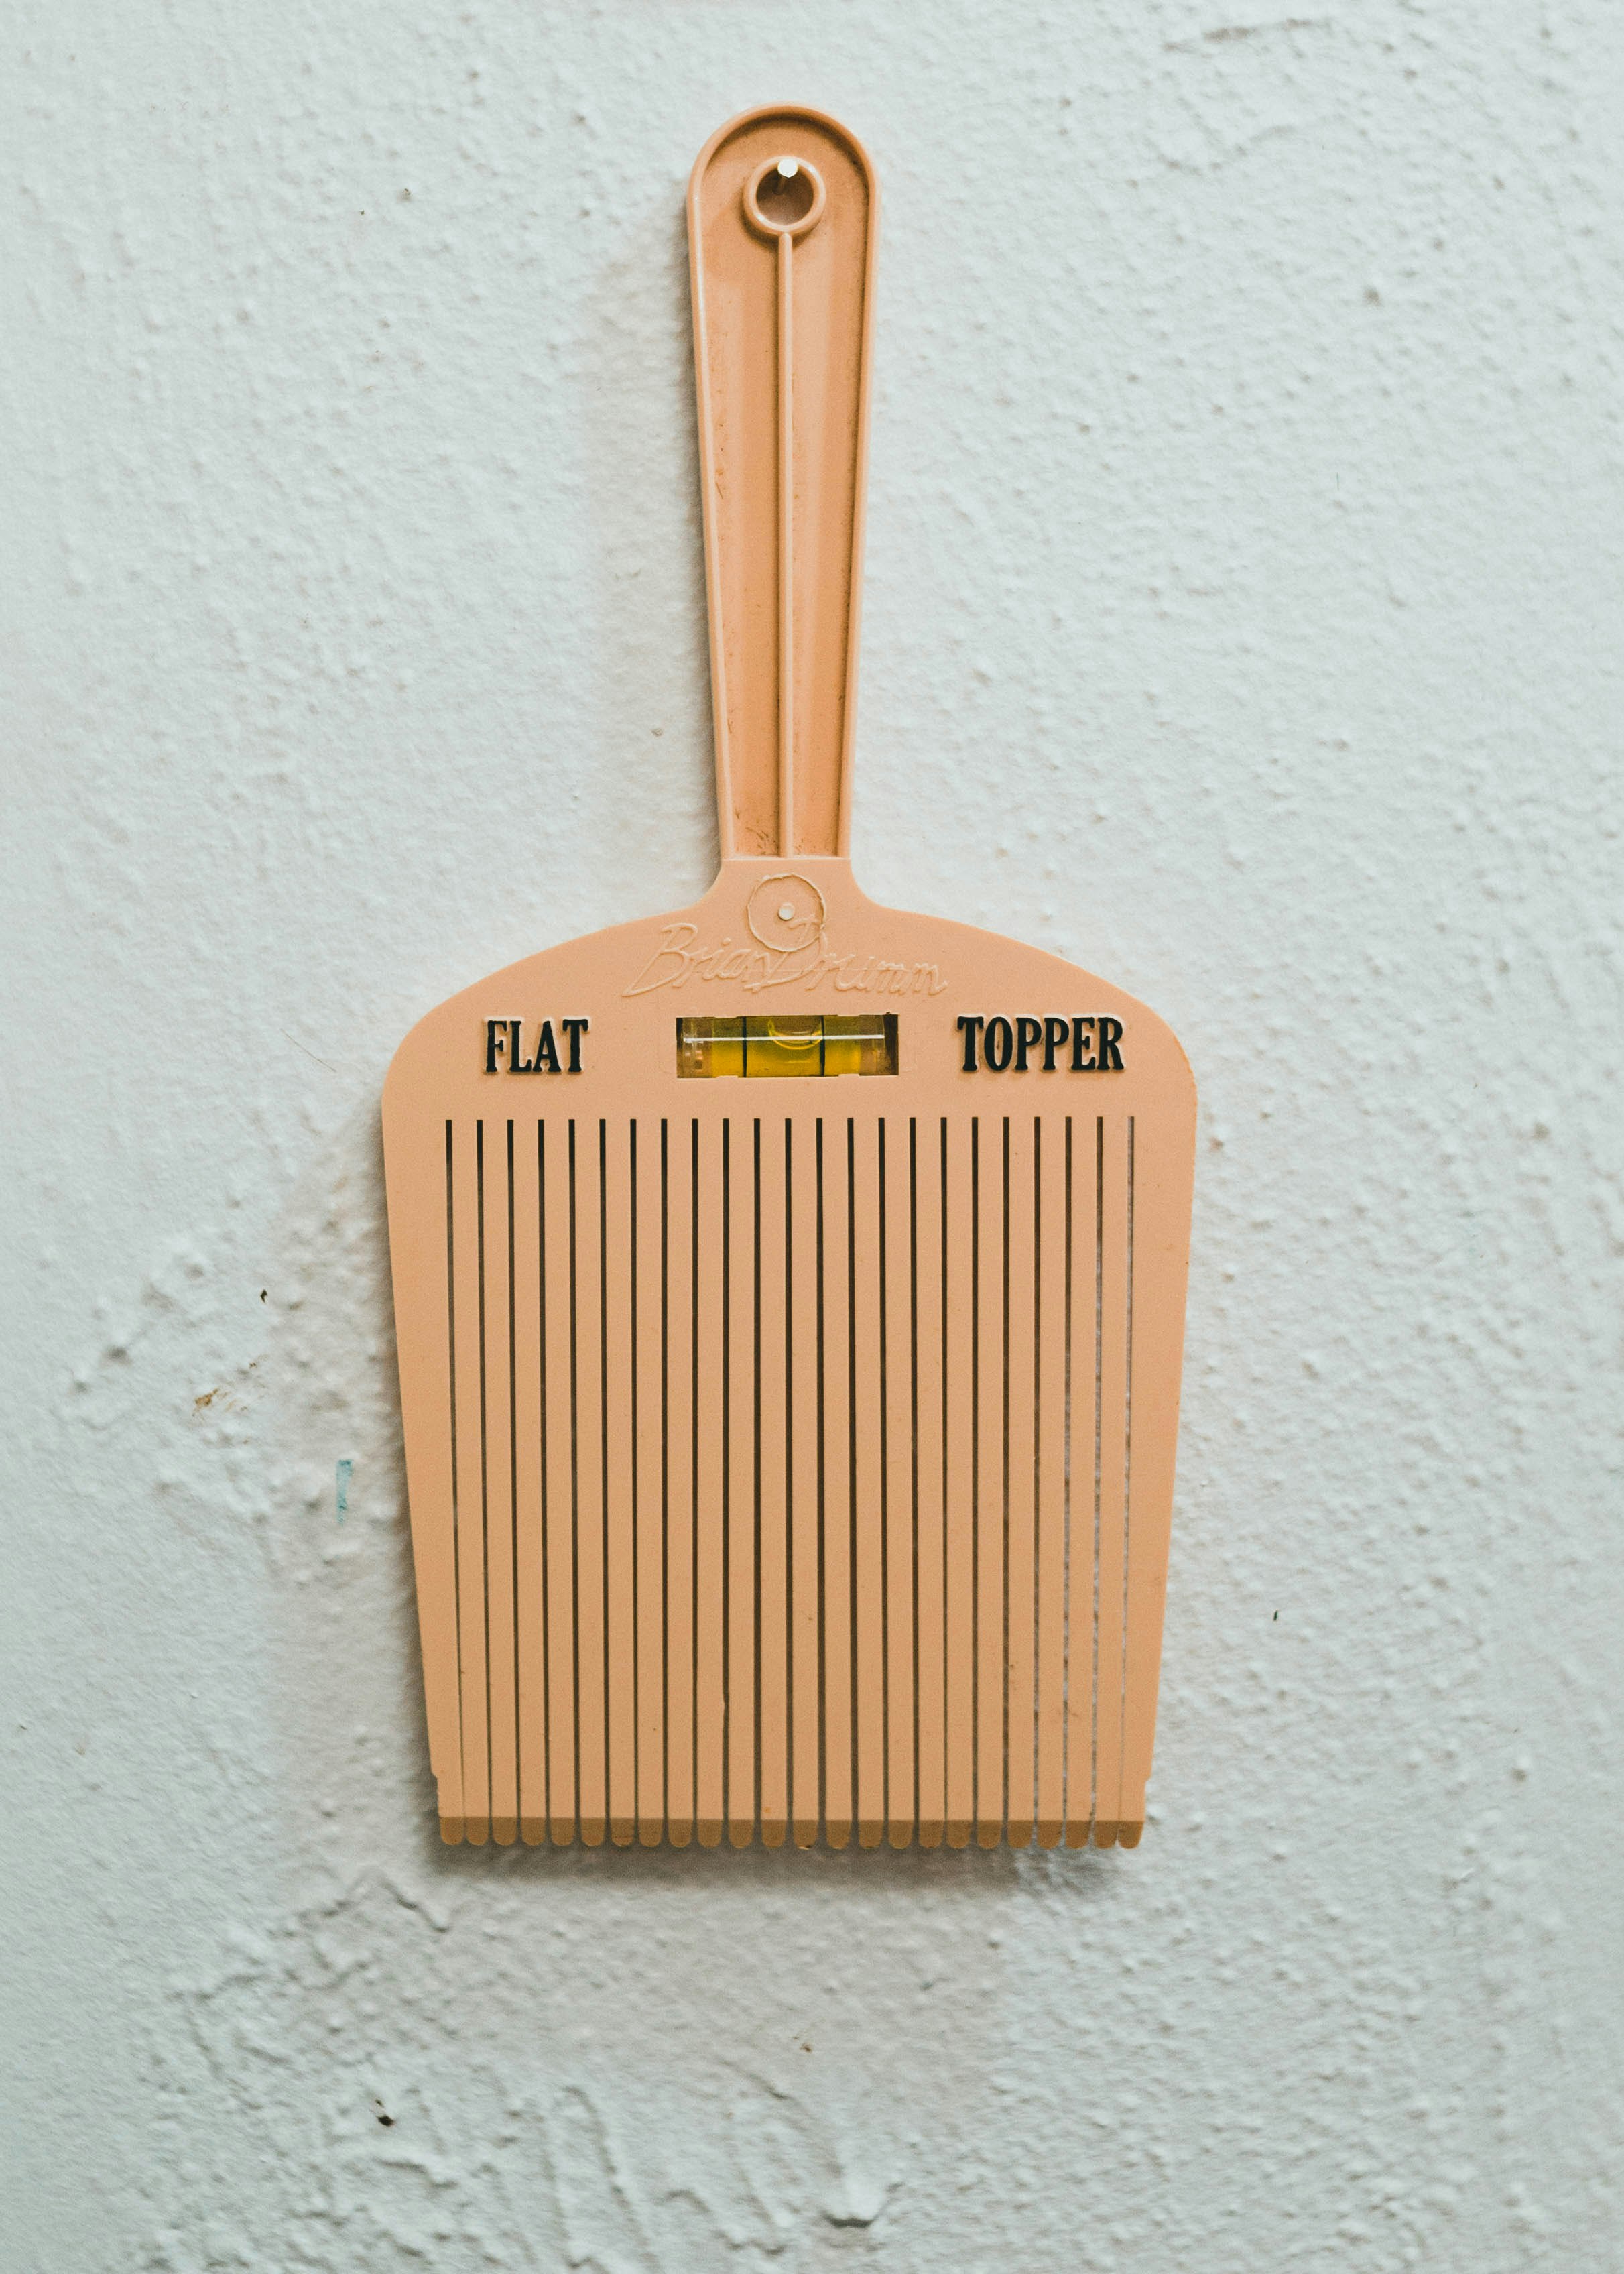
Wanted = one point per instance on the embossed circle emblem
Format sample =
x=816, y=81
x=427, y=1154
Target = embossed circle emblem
x=785, y=914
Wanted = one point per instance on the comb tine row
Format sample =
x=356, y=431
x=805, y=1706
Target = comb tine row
x=790, y=1484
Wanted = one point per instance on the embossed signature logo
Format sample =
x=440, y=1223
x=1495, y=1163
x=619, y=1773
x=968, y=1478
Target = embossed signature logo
x=788, y=947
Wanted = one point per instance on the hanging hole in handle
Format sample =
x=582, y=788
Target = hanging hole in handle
x=784, y=197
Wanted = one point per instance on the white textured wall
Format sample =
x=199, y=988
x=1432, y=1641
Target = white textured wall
x=1243, y=619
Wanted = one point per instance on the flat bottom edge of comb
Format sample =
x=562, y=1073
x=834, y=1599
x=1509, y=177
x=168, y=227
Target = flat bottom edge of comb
x=542, y=1831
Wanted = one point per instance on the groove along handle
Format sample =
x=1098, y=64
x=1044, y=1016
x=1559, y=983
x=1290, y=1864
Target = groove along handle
x=782, y=216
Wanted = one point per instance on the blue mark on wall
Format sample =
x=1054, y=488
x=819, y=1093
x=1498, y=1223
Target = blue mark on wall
x=344, y=1467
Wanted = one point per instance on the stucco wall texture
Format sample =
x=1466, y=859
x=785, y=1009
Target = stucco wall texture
x=1244, y=584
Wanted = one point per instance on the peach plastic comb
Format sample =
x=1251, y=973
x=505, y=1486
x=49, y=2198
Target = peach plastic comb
x=790, y=1293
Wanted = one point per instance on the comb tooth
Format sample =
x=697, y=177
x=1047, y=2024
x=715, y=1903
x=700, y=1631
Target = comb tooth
x=836, y=1341
x=619, y=1554
x=1052, y=1291
x=1156, y=1352
x=868, y=1408
x=1021, y=1329
x=1082, y=1472
x=420, y=1197
x=709, y=1412
x=496, y=1246
x=529, y=1599
x=648, y=1149
x=741, y=1140
x=896, y=1175
x=773, y=1418
x=990, y=1141
x=802, y=1306
x=959, y=1299
x=679, y=1151
x=469, y=1455
x=929, y=1447
x=553, y=1140
x=587, y=1210
x=1113, y=1207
